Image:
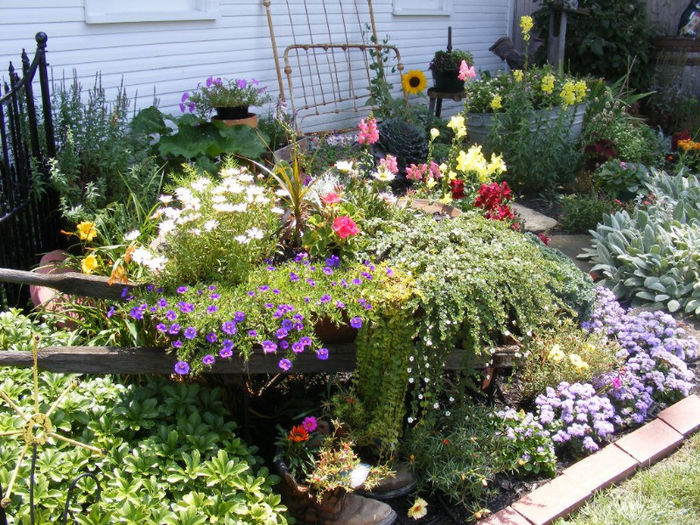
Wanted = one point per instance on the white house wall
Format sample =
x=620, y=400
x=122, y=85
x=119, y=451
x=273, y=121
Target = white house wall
x=171, y=57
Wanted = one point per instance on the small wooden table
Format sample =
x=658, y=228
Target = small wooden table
x=439, y=96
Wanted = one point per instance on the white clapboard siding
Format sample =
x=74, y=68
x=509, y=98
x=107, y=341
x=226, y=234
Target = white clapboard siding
x=171, y=57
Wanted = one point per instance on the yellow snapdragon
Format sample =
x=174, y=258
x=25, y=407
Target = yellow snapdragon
x=581, y=89
x=548, y=83
x=518, y=75
x=457, y=125
x=568, y=93
x=496, y=102
x=526, y=24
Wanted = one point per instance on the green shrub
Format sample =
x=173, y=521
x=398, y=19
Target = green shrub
x=651, y=255
x=565, y=352
x=619, y=179
x=583, y=212
x=171, y=456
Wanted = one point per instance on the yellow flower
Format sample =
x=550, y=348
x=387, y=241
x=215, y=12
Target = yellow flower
x=525, y=26
x=578, y=363
x=548, y=84
x=430, y=183
x=89, y=263
x=568, y=93
x=496, y=166
x=581, y=89
x=496, y=102
x=456, y=123
x=434, y=133
x=419, y=509
x=446, y=199
x=555, y=354
x=86, y=231
x=518, y=75
x=413, y=82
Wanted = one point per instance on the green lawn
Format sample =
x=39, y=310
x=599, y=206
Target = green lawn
x=667, y=493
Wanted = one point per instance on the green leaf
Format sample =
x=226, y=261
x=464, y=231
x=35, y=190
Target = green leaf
x=673, y=305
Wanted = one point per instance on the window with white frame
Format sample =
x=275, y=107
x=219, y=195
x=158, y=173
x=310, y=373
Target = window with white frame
x=423, y=7
x=110, y=12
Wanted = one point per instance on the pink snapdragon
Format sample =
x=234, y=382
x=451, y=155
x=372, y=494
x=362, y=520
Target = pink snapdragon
x=390, y=164
x=368, y=134
x=414, y=172
x=466, y=72
x=435, y=170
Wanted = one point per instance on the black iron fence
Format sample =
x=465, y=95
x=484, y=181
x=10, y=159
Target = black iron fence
x=29, y=220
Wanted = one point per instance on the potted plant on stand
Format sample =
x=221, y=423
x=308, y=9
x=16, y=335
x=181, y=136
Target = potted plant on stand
x=229, y=98
x=445, y=70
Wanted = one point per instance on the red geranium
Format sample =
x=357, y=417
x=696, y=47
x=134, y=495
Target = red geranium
x=330, y=198
x=457, y=187
x=344, y=226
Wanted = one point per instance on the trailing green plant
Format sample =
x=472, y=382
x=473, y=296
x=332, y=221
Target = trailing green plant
x=651, y=255
x=583, y=212
x=564, y=352
x=477, y=282
x=172, y=456
x=448, y=60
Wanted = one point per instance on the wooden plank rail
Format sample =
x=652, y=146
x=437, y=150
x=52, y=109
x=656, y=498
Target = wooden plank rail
x=70, y=282
x=111, y=360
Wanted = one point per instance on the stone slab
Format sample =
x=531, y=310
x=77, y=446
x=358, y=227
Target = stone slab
x=683, y=416
x=572, y=246
x=533, y=220
x=599, y=470
x=650, y=442
x=552, y=500
x=506, y=516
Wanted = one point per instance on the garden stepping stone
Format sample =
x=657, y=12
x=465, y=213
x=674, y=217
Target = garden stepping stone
x=605, y=467
x=684, y=416
x=650, y=442
x=534, y=221
x=572, y=246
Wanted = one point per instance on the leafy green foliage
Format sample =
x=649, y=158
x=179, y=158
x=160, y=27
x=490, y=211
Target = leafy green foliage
x=604, y=42
x=583, y=212
x=407, y=142
x=652, y=254
x=17, y=332
x=620, y=179
x=172, y=457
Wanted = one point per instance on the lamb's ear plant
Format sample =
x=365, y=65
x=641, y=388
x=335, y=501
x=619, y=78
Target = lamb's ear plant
x=651, y=255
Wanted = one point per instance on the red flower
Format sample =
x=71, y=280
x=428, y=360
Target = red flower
x=681, y=135
x=457, y=187
x=298, y=434
x=344, y=226
x=445, y=441
x=330, y=198
x=543, y=237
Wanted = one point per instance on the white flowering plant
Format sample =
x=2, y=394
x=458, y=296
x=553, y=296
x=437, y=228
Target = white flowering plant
x=211, y=228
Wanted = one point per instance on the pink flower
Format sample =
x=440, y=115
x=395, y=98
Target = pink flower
x=368, y=133
x=466, y=72
x=344, y=226
x=435, y=170
x=330, y=198
x=309, y=423
x=414, y=172
x=617, y=382
x=389, y=162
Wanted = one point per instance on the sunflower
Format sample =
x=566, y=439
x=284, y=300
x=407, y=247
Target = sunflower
x=414, y=82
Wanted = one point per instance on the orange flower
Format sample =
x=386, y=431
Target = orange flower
x=298, y=434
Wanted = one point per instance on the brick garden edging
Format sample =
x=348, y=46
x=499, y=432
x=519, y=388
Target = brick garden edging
x=615, y=462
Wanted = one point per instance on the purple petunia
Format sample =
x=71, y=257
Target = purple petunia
x=211, y=337
x=333, y=261
x=264, y=288
x=328, y=270
x=182, y=368
x=325, y=298
x=284, y=344
x=269, y=347
x=190, y=332
x=356, y=322
x=110, y=312
x=297, y=347
x=174, y=329
x=306, y=341
x=285, y=364
x=322, y=354
x=293, y=277
x=252, y=333
x=239, y=316
x=182, y=289
x=281, y=333
x=225, y=353
x=212, y=308
x=170, y=315
x=214, y=296
x=229, y=327
x=208, y=359
x=177, y=344
x=162, y=303
x=162, y=327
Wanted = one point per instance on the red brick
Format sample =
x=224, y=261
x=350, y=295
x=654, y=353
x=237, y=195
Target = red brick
x=601, y=469
x=650, y=442
x=505, y=516
x=684, y=416
x=552, y=500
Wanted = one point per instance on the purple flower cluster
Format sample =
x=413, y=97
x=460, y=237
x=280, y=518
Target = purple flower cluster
x=193, y=323
x=576, y=413
x=528, y=444
x=654, y=350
